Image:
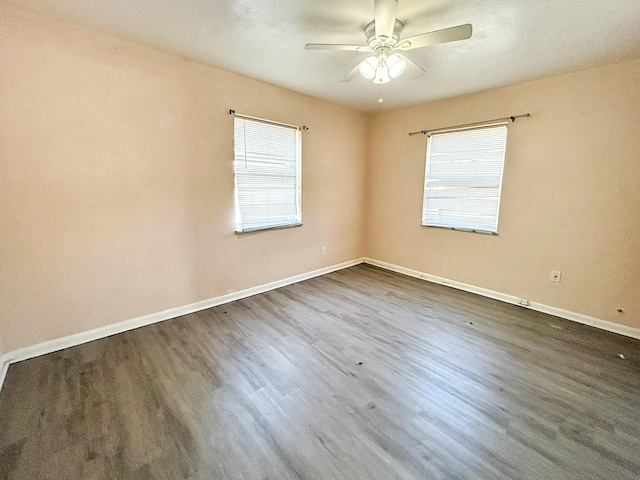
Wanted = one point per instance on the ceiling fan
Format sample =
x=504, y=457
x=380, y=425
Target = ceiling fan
x=383, y=41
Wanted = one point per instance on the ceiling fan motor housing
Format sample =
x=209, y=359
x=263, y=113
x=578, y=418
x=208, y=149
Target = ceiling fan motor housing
x=375, y=42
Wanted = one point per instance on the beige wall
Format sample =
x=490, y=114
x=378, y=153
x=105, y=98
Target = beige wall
x=570, y=201
x=116, y=184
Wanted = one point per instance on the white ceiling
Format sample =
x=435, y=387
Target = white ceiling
x=513, y=40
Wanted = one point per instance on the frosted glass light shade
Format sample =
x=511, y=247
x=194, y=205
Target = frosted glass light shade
x=368, y=68
x=382, y=74
x=396, y=65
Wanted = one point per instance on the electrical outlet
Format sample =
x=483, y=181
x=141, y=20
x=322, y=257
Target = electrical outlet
x=555, y=276
x=323, y=251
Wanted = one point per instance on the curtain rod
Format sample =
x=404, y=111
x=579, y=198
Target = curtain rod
x=477, y=124
x=233, y=112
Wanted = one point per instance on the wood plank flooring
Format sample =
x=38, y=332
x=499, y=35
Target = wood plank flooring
x=359, y=374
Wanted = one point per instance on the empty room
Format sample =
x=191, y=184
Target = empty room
x=296, y=239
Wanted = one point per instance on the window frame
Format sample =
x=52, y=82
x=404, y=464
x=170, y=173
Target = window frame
x=426, y=177
x=296, y=221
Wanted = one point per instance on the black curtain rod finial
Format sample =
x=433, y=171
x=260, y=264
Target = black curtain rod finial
x=232, y=112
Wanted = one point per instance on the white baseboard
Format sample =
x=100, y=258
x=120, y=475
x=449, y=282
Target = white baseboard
x=108, y=330
x=4, y=366
x=503, y=297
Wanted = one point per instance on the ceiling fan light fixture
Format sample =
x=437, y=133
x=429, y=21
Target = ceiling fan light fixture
x=382, y=74
x=368, y=68
x=383, y=36
x=396, y=65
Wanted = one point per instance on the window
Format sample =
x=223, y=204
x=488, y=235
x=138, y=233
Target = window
x=463, y=178
x=267, y=174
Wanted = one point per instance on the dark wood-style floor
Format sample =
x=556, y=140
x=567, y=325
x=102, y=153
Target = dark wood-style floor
x=360, y=374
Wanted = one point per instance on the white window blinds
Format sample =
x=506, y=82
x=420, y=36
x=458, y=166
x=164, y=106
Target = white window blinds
x=463, y=178
x=267, y=174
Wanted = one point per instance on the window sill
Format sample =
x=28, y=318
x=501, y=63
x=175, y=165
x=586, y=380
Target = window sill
x=484, y=232
x=271, y=227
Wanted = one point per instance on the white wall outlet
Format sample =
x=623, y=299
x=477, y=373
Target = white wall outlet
x=555, y=276
x=323, y=251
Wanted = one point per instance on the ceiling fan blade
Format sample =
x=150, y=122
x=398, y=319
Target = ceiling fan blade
x=415, y=70
x=350, y=76
x=461, y=32
x=385, y=18
x=336, y=46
